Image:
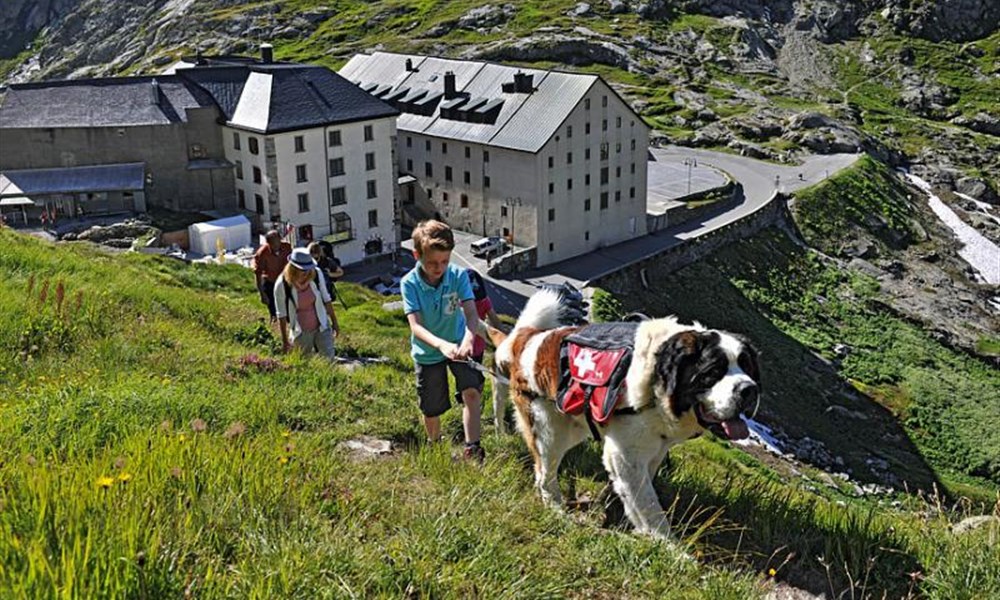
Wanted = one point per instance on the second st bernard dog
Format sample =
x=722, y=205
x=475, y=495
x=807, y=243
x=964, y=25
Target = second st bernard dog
x=683, y=379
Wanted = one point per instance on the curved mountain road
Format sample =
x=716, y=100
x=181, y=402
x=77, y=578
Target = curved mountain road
x=759, y=179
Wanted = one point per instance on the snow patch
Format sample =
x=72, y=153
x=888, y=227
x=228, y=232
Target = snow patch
x=982, y=206
x=982, y=254
x=761, y=435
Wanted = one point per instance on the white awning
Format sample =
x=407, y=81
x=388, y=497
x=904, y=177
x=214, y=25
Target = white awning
x=73, y=180
x=16, y=201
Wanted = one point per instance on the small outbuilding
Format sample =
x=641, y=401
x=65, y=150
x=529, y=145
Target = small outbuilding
x=233, y=231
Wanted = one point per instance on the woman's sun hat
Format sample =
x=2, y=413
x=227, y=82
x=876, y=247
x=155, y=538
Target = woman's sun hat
x=301, y=259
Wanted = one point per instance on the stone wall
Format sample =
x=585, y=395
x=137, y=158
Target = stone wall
x=727, y=197
x=514, y=263
x=774, y=212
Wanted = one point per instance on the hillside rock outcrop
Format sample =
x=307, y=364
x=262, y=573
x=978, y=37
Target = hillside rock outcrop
x=22, y=20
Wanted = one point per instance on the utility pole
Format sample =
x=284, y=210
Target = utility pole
x=689, y=163
x=510, y=203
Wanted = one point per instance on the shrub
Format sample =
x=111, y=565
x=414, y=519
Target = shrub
x=605, y=306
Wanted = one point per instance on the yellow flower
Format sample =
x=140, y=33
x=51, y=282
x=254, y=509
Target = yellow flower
x=771, y=572
x=124, y=477
x=286, y=434
x=181, y=437
x=104, y=482
x=283, y=460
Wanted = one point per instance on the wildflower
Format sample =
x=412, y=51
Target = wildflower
x=181, y=438
x=176, y=472
x=60, y=294
x=104, y=482
x=31, y=283
x=235, y=429
x=79, y=301
x=286, y=433
x=166, y=425
x=198, y=425
x=283, y=460
x=124, y=477
x=289, y=447
x=44, y=294
x=31, y=460
x=119, y=462
x=771, y=572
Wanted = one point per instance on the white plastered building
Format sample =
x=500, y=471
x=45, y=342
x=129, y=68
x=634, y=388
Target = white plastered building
x=555, y=160
x=311, y=152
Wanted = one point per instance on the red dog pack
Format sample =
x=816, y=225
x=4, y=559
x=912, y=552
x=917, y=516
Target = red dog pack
x=595, y=361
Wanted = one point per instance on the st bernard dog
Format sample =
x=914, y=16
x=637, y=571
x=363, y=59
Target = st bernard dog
x=683, y=379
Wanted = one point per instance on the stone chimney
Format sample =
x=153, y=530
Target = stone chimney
x=154, y=92
x=449, y=85
x=409, y=65
x=523, y=83
x=266, y=53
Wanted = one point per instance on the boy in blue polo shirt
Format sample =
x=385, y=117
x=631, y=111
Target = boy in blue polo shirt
x=441, y=311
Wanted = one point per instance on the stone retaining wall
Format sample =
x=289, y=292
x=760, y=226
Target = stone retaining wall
x=774, y=212
x=521, y=260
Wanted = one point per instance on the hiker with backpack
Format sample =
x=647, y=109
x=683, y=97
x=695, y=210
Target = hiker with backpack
x=329, y=266
x=268, y=262
x=304, y=307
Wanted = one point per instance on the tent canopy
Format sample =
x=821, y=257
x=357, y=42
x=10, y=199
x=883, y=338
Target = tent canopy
x=233, y=231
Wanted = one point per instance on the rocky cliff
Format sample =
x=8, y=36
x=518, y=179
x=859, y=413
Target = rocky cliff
x=22, y=20
x=910, y=81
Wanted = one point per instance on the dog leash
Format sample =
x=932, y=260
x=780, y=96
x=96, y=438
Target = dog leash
x=482, y=369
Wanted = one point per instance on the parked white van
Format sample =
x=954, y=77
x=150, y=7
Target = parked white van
x=488, y=246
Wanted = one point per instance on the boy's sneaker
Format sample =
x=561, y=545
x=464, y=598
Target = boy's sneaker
x=474, y=452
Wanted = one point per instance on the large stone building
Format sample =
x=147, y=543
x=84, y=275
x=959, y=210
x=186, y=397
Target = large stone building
x=292, y=145
x=554, y=160
x=165, y=123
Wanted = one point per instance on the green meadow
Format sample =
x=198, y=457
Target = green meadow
x=155, y=445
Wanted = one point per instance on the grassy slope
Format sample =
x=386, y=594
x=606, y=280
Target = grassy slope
x=866, y=200
x=274, y=511
x=797, y=304
x=262, y=503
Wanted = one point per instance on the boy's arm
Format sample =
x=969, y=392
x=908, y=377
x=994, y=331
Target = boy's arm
x=423, y=334
x=471, y=327
x=494, y=319
x=491, y=315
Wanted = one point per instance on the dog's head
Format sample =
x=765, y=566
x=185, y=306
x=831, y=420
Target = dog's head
x=712, y=373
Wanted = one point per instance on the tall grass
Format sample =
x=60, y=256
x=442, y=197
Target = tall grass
x=167, y=451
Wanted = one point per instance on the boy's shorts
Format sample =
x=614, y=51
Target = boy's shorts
x=432, y=384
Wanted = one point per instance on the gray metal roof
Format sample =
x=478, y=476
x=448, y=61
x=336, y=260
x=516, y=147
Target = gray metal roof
x=111, y=102
x=73, y=180
x=268, y=98
x=525, y=121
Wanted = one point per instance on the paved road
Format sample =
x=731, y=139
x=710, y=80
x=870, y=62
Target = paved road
x=759, y=179
x=668, y=179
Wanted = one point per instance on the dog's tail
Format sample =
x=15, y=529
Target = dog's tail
x=549, y=308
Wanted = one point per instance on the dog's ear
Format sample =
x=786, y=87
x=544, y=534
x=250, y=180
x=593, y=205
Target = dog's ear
x=679, y=350
x=748, y=359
